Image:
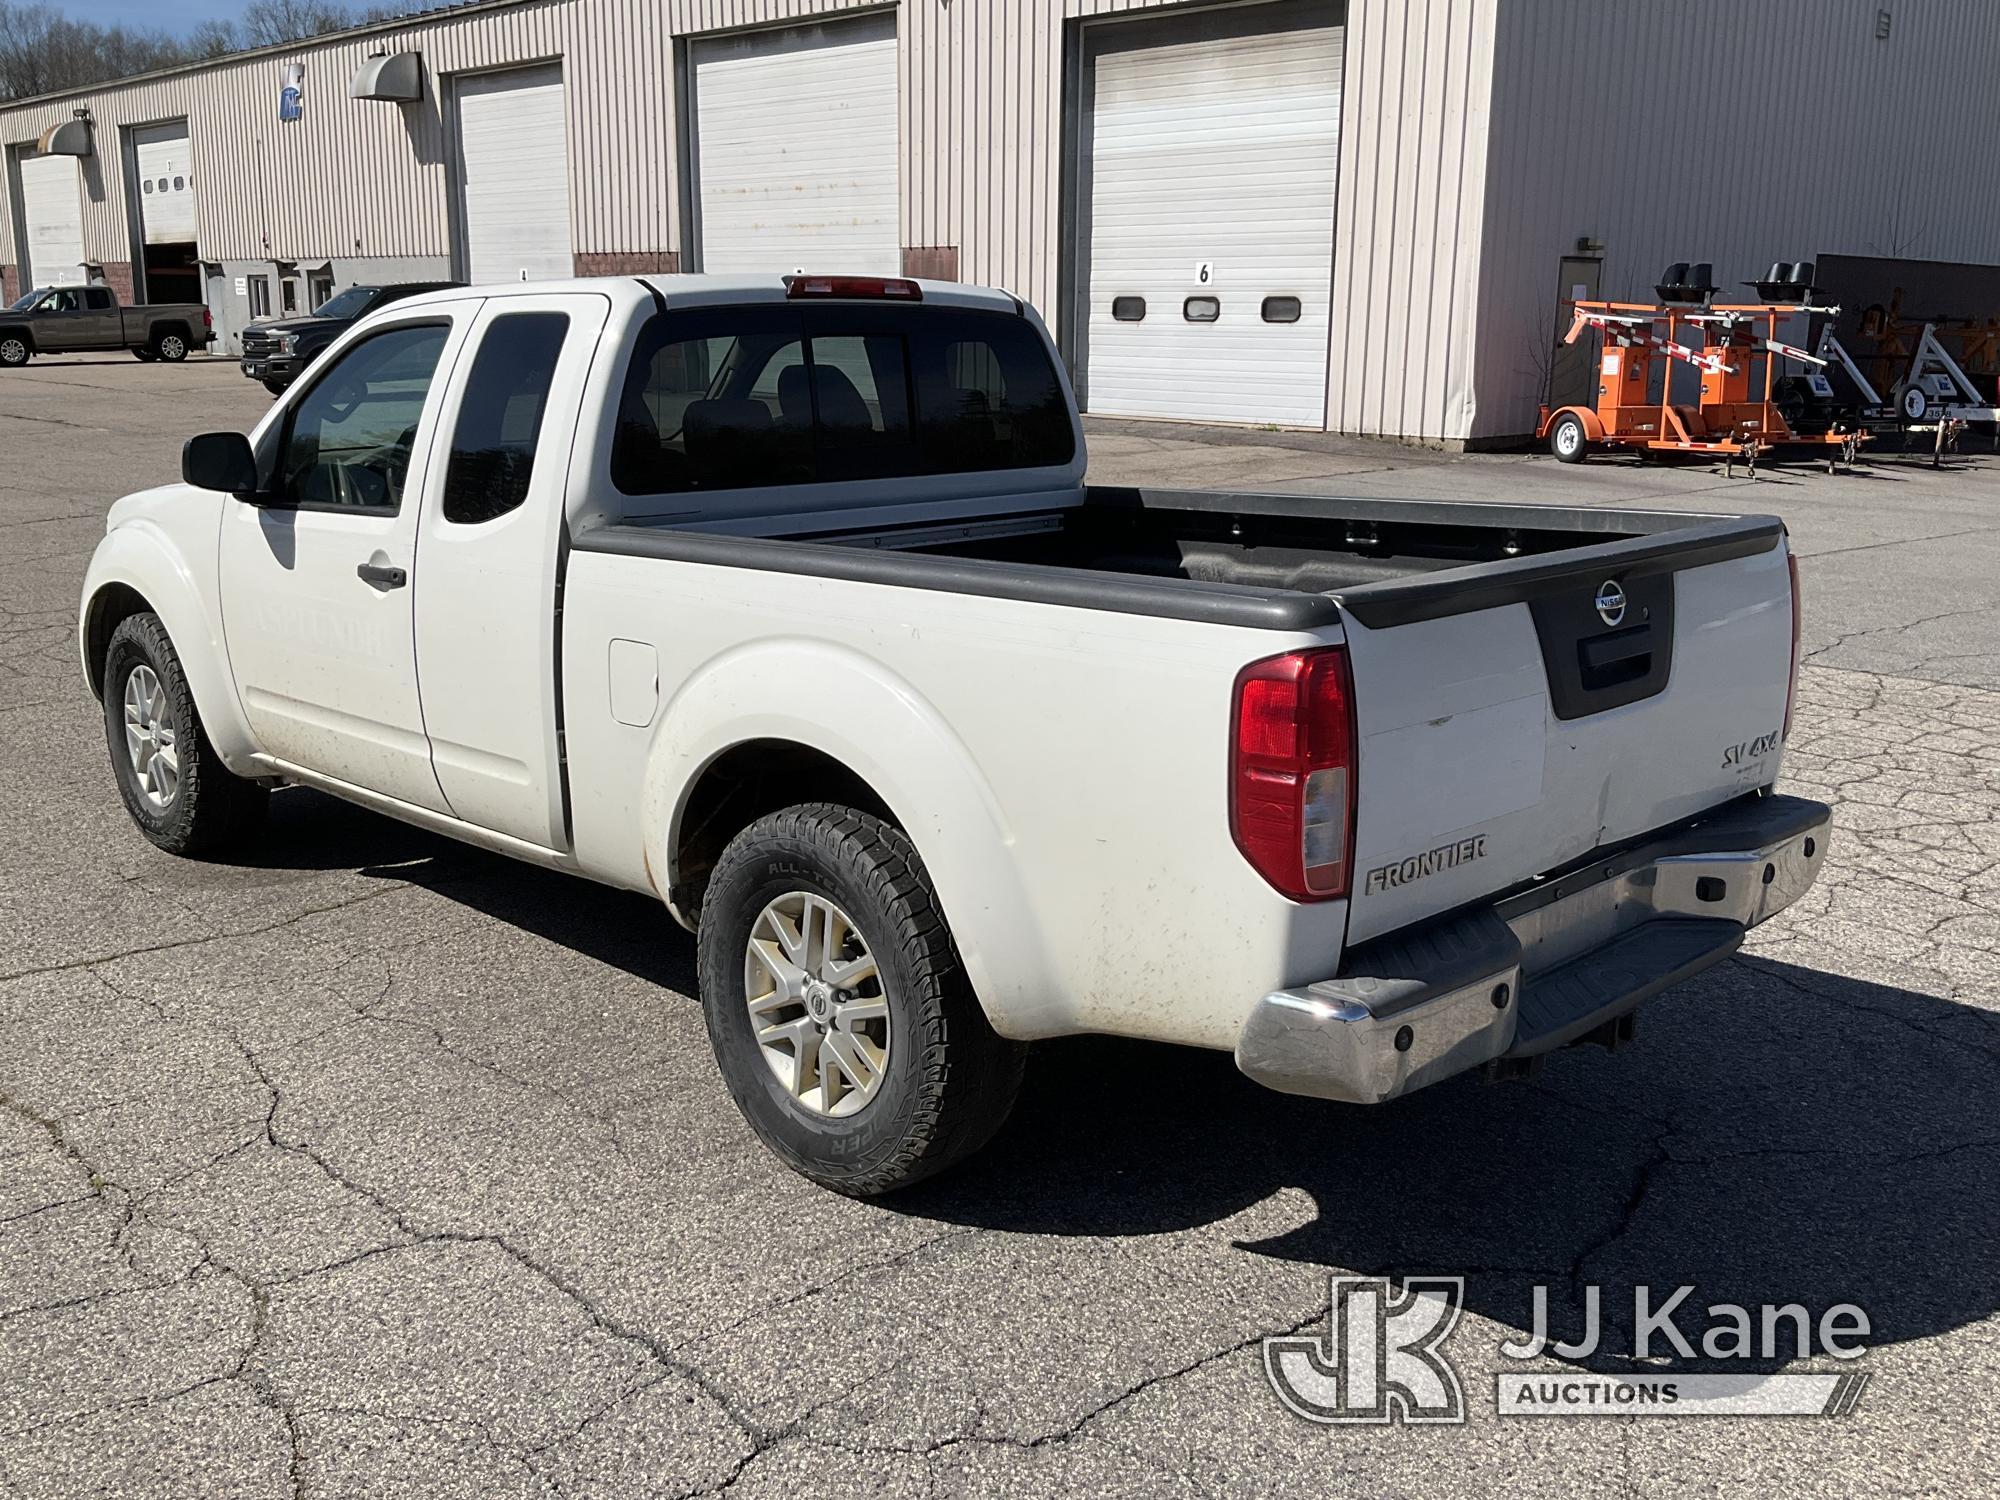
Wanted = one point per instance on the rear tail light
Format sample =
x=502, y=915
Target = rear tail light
x=207, y=318
x=877, y=288
x=1291, y=771
x=1792, y=685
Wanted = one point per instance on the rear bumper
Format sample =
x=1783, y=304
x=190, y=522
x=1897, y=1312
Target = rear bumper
x=1540, y=969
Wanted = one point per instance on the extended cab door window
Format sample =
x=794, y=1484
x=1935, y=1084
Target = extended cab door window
x=500, y=416
x=347, y=444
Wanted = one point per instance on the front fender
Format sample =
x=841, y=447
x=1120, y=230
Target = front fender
x=850, y=707
x=140, y=555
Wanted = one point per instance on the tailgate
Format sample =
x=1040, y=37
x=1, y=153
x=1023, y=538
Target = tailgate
x=1514, y=717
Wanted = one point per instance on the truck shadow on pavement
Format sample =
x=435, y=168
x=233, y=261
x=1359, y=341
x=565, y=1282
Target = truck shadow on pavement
x=1775, y=1134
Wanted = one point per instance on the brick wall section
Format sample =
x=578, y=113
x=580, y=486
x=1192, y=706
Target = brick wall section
x=9, y=284
x=627, y=262
x=118, y=276
x=931, y=262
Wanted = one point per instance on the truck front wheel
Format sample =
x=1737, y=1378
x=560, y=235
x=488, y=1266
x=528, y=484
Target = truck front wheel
x=14, y=351
x=174, y=785
x=171, y=347
x=840, y=1014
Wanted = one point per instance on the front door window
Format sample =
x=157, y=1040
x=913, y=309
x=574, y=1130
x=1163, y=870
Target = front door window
x=349, y=441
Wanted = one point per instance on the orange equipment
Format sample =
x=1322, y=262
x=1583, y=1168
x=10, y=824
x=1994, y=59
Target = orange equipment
x=1738, y=356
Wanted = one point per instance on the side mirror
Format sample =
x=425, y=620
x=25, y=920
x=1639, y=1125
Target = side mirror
x=220, y=461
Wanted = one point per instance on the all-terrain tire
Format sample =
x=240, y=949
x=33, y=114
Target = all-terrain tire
x=211, y=810
x=949, y=1080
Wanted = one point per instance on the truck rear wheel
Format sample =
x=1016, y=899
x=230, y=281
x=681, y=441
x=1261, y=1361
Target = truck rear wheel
x=174, y=785
x=840, y=1014
x=14, y=351
x=1569, y=441
x=171, y=347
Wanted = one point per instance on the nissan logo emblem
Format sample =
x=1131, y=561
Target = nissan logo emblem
x=1610, y=602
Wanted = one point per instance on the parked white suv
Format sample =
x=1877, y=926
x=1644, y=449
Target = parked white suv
x=786, y=600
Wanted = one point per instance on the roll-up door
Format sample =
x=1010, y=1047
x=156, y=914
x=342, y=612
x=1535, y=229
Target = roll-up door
x=166, y=183
x=52, y=205
x=1212, y=149
x=795, y=149
x=514, y=175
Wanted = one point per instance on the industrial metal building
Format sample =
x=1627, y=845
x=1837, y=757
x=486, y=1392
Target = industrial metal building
x=1365, y=217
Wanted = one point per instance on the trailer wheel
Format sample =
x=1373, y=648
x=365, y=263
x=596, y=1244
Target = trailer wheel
x=1568, y=440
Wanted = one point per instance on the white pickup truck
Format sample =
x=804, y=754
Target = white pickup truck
x=787, y=601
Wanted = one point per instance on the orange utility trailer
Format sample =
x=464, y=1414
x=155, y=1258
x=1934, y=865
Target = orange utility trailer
x=1738, y=356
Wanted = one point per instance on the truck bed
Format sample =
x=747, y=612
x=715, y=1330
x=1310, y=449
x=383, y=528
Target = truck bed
x=1272, y=560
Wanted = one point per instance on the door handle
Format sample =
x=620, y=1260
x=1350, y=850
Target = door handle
x=382, y=575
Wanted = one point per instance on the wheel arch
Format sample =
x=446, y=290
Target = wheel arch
x=21, y=331
x=782, y=722
x=135, y=571
x=1593, y=425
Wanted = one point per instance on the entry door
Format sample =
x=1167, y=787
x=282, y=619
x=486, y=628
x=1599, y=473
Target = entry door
x=487, y=559
x=317, y=590
x=1211, y=150
x=514, y=175
x=795, y=149
x=1573, y=367
x=52, y=203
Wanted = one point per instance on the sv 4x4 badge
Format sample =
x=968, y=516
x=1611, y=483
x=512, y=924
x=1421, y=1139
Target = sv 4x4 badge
x=1745, y=751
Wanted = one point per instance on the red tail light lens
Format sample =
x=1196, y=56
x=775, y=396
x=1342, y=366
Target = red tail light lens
x=1792, y=686
x=1291, y=771
x=876, y=288
x=207, y=318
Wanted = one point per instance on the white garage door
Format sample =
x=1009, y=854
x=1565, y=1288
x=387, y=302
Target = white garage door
x=1211, y=171
x=52, y=203
x=166, y=183
x=514, y=175
x=795, y=135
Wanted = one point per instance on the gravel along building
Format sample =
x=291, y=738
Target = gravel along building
x=1364, y=216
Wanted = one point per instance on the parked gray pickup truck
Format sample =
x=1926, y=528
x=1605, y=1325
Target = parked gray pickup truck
x=78, y=319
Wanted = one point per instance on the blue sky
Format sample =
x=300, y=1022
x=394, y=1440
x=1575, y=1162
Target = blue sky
x=164, y=15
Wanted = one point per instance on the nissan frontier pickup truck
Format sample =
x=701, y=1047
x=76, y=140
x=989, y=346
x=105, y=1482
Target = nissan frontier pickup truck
x=787, y=602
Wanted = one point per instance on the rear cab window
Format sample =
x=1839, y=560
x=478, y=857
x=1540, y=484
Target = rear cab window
x=777, y=394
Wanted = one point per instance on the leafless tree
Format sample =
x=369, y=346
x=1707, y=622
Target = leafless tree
x=42, y=50
x=267, y=23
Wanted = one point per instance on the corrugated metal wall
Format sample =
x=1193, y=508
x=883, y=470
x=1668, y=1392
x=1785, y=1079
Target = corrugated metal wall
x=1724, y=131
x=367, y=178
x=1409, y=217
x=1480, y=139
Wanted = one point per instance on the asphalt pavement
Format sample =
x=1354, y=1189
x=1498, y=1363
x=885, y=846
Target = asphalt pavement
x=375, y=1165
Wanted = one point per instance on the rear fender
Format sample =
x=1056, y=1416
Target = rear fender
x=849, y=707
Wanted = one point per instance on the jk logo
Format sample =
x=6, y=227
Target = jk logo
x=1382, y=1355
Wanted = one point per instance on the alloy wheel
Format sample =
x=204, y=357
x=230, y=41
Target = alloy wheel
x=817, y=1007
